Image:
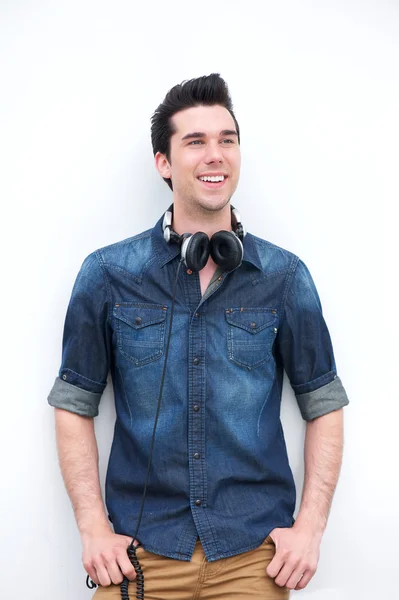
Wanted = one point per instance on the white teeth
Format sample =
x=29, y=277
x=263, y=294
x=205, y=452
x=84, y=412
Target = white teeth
x=214, y=179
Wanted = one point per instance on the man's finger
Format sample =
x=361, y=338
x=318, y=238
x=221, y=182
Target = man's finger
x=285, y=574
x=92, y=574
x=102, y=574
x=295, y=578
x=274, y=566
x=126, y=566
x=307, y=576
x=114, y=572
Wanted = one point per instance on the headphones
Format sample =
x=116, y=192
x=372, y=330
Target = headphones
x=225, y=247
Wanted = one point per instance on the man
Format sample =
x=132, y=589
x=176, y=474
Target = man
x=218, y=513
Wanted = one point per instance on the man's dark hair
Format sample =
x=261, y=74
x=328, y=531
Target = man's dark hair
x=202, y=91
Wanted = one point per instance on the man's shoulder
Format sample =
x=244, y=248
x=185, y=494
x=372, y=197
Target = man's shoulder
x=274, y=258
x=130, y=254
x=126, y=245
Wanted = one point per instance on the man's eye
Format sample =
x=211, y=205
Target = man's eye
x=230, y=141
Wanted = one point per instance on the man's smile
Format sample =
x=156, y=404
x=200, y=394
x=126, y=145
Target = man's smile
x=213, y=180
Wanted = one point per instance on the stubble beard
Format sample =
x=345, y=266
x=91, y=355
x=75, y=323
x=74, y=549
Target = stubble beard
x=205, y=205
x=200, y=206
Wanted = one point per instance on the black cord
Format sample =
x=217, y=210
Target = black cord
x=90, y=583
x=131, y=550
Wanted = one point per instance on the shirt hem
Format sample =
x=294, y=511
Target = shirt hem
x=212, y=557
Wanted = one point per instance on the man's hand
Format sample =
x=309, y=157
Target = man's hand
x=105, y=558
x=296, y=558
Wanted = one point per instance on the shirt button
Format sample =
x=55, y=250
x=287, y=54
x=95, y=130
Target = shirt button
x=220, y=278
x=196, y=407
x=189, y=272
x=196, y=361
x=138, y=320
x=197, y=314
x=64, y=377
x=253, y=325
x=198, y=502
x=197, y=455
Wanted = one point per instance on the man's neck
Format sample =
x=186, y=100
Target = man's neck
x=200, y=220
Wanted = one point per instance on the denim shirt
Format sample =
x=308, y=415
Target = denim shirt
x=220, y=469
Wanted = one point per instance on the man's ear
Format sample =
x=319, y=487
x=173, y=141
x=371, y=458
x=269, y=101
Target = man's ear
x=162, y=165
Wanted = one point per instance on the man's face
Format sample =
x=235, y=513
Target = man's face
x=205, y=143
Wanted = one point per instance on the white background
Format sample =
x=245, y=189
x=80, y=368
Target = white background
x=315, y=89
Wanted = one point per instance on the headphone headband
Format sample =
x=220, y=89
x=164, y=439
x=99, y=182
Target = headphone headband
x=171, y=236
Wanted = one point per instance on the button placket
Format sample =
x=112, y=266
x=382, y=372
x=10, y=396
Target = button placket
x=196, y=416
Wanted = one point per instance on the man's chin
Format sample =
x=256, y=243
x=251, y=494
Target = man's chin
x=213, y=204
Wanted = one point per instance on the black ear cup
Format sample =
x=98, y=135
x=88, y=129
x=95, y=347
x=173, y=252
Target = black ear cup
x=226, y=250
x=225, y=247
x=195, y=251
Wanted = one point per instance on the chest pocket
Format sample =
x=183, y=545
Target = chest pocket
x=250, y=336
x=140, y=331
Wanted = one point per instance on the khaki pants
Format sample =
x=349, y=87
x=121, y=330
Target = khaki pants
x=236, y=578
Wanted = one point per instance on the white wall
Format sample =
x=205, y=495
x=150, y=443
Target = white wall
x=316, y=91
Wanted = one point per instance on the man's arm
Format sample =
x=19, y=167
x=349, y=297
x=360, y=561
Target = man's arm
x=298, y=548
x=104, y=552
x=323, y=458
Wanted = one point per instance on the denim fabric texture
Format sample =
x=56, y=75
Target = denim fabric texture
x=220, y=469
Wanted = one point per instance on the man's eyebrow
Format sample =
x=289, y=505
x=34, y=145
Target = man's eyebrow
x=229, y=132
x=199, y=134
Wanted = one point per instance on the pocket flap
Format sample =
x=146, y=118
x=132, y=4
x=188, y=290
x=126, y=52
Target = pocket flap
x=252, y=320
x=140, y=315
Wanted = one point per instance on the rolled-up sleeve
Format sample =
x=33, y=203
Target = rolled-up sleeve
x=86, y=344
x=305, y=347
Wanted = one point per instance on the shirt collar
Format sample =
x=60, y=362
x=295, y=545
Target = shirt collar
x=167, y=252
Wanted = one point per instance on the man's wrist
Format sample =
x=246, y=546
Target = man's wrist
x=92, y=522
x=310, y=524
x=95, y=529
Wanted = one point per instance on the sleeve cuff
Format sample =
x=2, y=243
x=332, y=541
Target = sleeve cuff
x=70, y=397
x=325, y=399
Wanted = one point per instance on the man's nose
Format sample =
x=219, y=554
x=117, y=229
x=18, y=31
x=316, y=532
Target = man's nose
x=214, y=153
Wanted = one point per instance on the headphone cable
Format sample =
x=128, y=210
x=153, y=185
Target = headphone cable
x=131, y=550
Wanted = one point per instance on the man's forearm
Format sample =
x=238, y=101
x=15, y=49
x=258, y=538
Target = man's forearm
x=78, y=457
x=323, y=457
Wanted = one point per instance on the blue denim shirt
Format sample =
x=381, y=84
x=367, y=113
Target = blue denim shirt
x=220, y=470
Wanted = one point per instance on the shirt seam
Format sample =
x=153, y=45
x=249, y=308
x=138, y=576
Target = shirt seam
x=107, y=285
x=291, y=274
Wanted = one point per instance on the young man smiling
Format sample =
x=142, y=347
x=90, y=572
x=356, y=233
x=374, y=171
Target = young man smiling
x=218, y=517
